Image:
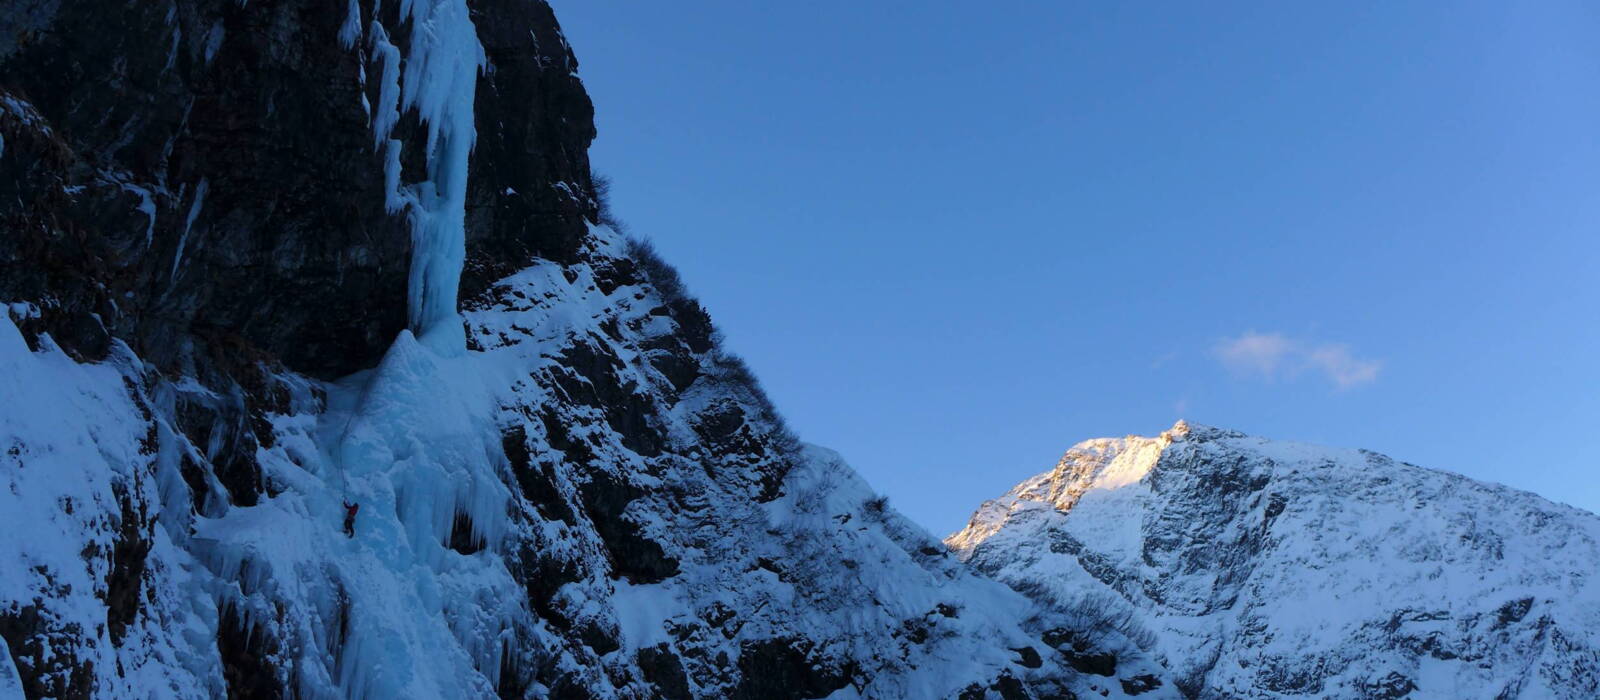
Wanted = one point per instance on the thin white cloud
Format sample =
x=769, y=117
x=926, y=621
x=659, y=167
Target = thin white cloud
x=1343, y=368
x=1256, y=353
x=1274, y=355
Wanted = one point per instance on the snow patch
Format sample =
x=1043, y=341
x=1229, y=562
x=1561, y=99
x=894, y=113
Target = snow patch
x=147, y=205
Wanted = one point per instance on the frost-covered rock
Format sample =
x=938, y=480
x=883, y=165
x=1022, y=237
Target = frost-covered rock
x=1261, y=569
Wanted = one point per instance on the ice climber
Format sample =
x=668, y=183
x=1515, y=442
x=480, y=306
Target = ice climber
x=350, y=518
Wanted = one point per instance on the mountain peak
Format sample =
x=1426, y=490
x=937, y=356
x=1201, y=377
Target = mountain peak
x=1258, y=568
x=1111, y=463
x=1184, y=429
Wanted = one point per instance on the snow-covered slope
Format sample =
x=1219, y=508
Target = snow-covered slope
x=1262, y=569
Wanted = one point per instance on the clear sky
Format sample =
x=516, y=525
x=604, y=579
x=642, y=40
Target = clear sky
x=953, y=239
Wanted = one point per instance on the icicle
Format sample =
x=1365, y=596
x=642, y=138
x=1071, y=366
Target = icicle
x=351, y=29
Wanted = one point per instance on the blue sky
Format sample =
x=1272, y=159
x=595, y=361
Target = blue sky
x=953, y=239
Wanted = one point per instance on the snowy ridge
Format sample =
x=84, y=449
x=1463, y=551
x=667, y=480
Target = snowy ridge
x=1255, y=568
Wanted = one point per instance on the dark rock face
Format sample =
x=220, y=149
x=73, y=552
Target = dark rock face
x=249, y=660
x=1139, y=685
x=30, y=637
x=200, y=173
x=663, y=670
x=784, y=668
x=529, y=192
x=125, y=585
x=633, y=556
x=201, y=177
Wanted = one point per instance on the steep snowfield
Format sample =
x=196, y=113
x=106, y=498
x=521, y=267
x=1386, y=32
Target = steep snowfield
x=77, y=470
x=1263, y=569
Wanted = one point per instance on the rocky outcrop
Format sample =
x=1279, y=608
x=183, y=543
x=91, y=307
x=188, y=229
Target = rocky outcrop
x=1259, y=569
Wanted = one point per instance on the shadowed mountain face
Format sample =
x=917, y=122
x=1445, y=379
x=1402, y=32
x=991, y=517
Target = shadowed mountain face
x=1255, y=568
x=267, y=262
